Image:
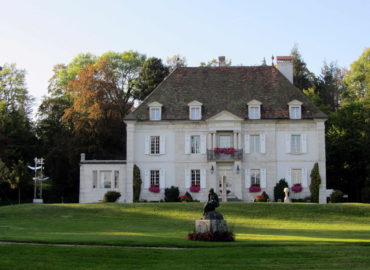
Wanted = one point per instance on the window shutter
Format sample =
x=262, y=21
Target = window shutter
x=247, y=144
x=187, y=178
x=162, y=178
x=263, y=178
x=304, y=143
x=304, y=177
x=147, y=145
x=247, y=178
x=187, y=144
x=162, y=145
x=203, y=178
x=147, y=179
x=203, y=144
x=287, y=143
x=263, y=142
x=289, y=177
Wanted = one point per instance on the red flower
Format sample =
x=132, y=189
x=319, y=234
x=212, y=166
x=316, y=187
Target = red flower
x=194, y=188
x=227, y=151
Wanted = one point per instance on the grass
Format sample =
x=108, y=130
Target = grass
x=269, y=236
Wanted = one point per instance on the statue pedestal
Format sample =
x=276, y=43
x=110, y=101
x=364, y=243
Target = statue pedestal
x=38, y=201
x=210, y=225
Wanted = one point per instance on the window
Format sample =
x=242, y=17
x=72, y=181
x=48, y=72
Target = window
x=105, y=179
x=295, y=107
x=155, y=114
x=255, y=177
x=254, y=112
x=154, y=178
x=195, y=113
x=295, y=112
x=195, y=144
x=295, y=143
x=154, y=145
x=95, y=179
x=116, y=179
x=255, y=145
x=224, y=141
x=296, y=176
x=195, y=178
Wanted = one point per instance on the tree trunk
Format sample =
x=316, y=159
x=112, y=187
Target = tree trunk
x=19, y=195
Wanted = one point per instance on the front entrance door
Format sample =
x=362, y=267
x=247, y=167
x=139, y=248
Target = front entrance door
x=228, y=174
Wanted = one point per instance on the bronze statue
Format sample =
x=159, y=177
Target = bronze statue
x=211, y=205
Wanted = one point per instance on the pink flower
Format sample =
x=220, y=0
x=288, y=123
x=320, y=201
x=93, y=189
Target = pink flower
x=254, y=188
x=154, y=189
x=194, y=188
x=297, y=188
x=227, y=151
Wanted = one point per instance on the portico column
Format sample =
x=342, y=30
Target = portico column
x=239, y=140
x=209, y=141
x=235, y=140
x=214, y=140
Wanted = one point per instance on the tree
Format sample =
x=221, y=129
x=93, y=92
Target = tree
x=137, y=183
x=18, y=177
x=150, y=76
x=315, y=183
x=302, y=77
x=215, y=63
x=357, y=80
x=176, y=61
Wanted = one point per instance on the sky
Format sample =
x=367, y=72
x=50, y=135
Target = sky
x=38, y=34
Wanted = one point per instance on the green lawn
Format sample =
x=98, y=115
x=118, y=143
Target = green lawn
x=269, y=236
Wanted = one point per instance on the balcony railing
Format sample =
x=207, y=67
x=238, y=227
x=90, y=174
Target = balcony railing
x=213, y=156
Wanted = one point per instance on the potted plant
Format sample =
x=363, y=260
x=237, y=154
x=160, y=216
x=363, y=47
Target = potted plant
x=254, y=188
x=297, y=188
x=226, y=151
x=154, y=189
x=194, y=188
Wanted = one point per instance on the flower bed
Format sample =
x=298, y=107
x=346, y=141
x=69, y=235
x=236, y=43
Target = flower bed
x=297, y=188
x=227, y=151
x=154, y=189
x=194, y=189
x=255, y=188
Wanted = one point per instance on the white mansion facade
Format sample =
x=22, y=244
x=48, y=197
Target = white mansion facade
x=249, y=126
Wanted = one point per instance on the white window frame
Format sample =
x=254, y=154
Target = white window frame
x=254, y=109
x=154, y=178
x=101, y=178
x=255, y=148
x=295, y=114
x=195, y=144
x=155, y=145
x=195, y=179
x=155, y=111
x=295, y=144
x=196, y=107
x=253, y=176
x=296, y=175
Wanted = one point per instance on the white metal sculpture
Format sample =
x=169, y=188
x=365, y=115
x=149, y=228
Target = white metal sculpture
x=38, y=178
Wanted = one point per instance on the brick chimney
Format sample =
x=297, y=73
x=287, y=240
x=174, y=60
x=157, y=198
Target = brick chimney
x=285, y=65
x=221, y=61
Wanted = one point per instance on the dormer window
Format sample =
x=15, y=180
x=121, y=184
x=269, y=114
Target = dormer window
x=295, y=109
x=254, y=109
x=155, y=111
x=195, y=110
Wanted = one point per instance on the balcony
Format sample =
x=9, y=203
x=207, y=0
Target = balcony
x=215, y=155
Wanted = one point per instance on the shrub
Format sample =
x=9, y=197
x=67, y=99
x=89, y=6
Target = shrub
x=365, y=195
x=279, y=190
x=111, y=196
x=213, y=237
x=171, y=194
x=336, y=196
x=262, y=198
x=137, y=183
x=315, y=183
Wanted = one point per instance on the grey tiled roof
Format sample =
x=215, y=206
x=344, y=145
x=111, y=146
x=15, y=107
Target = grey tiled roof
x=226, y=88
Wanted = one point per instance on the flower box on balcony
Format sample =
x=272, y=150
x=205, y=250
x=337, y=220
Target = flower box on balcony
x=227, y=151
x=154, y=189
x=297, y=188
x=194, y=189
x=254, y=188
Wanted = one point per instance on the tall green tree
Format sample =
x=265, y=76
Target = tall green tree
x=302, y=77
x=358, y=79
x=19, y=177
x=150, y=76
